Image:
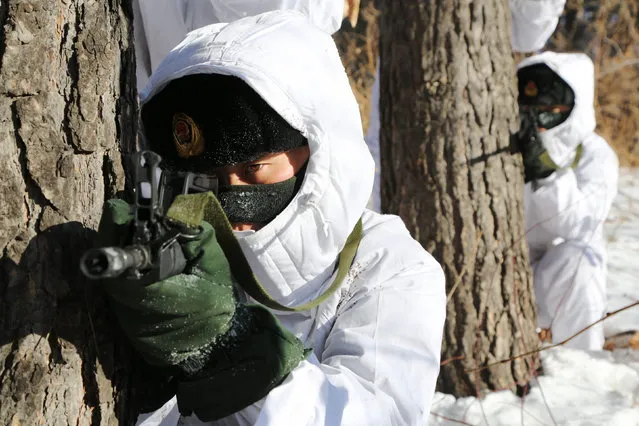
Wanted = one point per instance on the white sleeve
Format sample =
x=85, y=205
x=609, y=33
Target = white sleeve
x=380, y=363
x=142, y=58
x=167, y=415
x=326, y=14
x=372, y=133
x=160, y=25
x=572, y=204
x=164, y=28
x=372, y=140
x=533, y=22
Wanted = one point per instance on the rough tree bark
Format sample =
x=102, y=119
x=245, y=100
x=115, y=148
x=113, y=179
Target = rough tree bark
x=448, y=104
x=67, y=113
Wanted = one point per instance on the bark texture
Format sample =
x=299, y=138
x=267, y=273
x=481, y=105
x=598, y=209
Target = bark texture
x=448, y=105
x=67, y=114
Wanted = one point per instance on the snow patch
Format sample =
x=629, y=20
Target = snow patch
x=622, y=235
x=577, y=388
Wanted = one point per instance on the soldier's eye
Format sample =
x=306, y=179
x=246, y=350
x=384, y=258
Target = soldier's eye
x=251, y=169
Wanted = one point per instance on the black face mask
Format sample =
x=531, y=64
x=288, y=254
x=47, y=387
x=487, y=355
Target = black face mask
x=259, y=203
x=256, y=203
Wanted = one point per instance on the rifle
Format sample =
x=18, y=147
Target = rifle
x=155, y=250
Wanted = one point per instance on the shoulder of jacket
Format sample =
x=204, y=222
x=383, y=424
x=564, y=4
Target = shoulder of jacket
x=597, y=149
x=389, y=258
x=387, y=247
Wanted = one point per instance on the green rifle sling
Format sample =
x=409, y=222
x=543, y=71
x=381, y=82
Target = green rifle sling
x=547, y=161
x=192, y=209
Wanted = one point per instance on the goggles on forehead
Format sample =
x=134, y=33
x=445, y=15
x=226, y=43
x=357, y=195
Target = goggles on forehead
x=546, y=116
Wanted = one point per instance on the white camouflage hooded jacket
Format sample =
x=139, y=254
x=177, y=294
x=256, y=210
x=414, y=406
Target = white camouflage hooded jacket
x=376, y=341
x=572, y=203
x=161, y=24
x=533, y=22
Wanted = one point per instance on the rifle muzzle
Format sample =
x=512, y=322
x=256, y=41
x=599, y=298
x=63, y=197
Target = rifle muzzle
x=110, y=262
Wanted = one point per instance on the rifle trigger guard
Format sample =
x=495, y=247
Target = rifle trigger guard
x=185, y=233
x=191, y=234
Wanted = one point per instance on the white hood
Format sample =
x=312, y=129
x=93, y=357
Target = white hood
x=296, y=68
x=578, y=71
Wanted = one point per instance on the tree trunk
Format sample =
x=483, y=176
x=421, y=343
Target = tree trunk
x=448, y=104
x=68, y=112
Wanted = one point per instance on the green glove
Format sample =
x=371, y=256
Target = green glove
x=228, y=356
x=537, y=163
x=169, y=322
x=243, y=366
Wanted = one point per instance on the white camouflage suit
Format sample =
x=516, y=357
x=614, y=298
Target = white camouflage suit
x=565, y=213
x=377, y=340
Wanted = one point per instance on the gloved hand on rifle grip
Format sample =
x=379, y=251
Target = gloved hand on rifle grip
x=528, y=139
x=228, y=355
x=170, y=320
x=244, y=365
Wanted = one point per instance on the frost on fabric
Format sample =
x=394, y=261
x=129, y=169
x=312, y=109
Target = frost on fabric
x=347, y=289
x=189, y=281
x=353, y=273
x=196, y=360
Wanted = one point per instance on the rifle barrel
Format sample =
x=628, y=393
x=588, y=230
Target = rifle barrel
x=110, y=262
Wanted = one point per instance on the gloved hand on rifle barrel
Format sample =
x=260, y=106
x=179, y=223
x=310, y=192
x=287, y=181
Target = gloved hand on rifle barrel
x=532, y=150
x=226, y=355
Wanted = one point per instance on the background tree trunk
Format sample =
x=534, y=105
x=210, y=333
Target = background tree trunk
x=68, y=112
x=448, y=104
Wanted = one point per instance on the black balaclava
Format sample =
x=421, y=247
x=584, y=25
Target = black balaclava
x=204, y=121
x=539, y=88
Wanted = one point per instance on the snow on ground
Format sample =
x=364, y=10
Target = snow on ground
x=578, y=387
x=622, y=232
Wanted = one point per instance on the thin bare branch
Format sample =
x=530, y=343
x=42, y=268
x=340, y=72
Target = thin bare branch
x=618, y=67
x=450, y=420
x=493, y=364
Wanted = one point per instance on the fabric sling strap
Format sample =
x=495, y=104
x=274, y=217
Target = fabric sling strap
x=547, y=161
x=192, y=209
